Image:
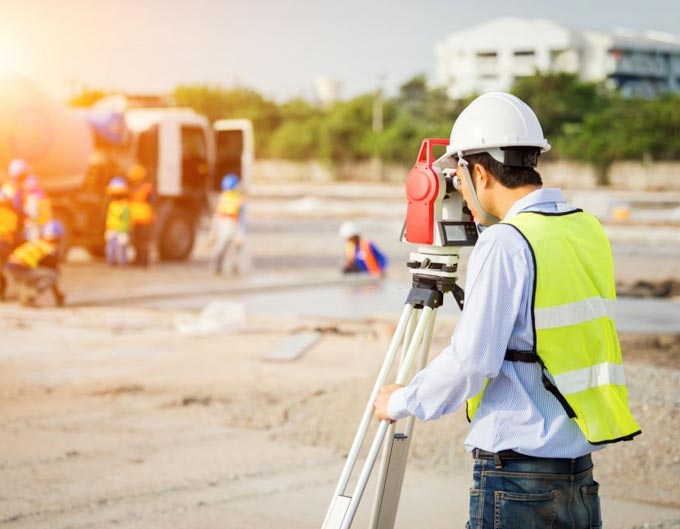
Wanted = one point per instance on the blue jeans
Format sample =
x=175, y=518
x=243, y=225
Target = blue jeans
x=534, y=493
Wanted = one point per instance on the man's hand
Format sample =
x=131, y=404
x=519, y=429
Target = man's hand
x=380, y=406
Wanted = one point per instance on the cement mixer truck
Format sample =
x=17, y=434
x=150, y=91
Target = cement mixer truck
x=76, y=152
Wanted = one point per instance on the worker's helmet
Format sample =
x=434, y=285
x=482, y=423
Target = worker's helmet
x=52, y=230
x=229, y=182
x=18, y=169
x=348, y=229
x=117, y=185
x=495, y=123
x=136, y=173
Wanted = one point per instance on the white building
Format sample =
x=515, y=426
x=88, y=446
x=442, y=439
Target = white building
x=491, y=56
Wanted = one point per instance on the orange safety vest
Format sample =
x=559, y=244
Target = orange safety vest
x=9, y=223
x=29, y=254
x=366, y=255
x=141, y=210
x=229, y=204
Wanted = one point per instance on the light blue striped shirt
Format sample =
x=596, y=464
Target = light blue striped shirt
x=517, y=412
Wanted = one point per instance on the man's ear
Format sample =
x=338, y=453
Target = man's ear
x=482, y=176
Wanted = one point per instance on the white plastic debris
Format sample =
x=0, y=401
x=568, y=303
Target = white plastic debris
x=217, y=317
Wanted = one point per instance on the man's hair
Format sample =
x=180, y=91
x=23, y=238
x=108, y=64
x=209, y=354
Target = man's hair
x=509, y=176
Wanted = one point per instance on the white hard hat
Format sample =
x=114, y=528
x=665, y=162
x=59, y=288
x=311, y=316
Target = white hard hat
x=496, y=120
x=348, y=229
x=17, y=168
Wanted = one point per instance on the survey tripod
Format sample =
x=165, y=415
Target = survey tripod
x=433, y=275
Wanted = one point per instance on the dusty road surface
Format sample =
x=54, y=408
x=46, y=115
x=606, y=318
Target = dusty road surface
x=126, y=409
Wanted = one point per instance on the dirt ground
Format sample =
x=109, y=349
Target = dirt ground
x=112, y=417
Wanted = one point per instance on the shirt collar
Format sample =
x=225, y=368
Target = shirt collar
x=534, y=200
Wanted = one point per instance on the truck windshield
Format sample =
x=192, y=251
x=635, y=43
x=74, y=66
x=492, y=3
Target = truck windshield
x=194, y=158
x=229, y=155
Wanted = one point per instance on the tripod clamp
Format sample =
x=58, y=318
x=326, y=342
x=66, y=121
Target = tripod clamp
x=428, y=291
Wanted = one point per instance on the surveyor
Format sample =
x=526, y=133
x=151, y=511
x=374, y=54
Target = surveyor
x=224, y=229
x=9, y=222
x=535, y=353
x=117, y=234
x=34, y=266
x=37, y=207
x=361, y=255
x=141, y=213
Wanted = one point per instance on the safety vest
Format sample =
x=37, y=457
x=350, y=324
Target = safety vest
x=363, y=253
x=118, y=216
x=229, y=204
x=38, y=208
x=9, y=223
x=141, y=210
x=29, y=254
x=575, y=338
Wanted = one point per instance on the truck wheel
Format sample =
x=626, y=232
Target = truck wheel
x=176, y=239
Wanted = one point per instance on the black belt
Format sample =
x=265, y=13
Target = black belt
x=478, y=453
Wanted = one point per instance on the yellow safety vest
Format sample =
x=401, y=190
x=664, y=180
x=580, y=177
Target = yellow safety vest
x=118, y=216
x=141, y=210
x=31, y=253
x=575, y=336
x=229, y=204
x=9, y=223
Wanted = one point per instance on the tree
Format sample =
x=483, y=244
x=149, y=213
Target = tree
x=86, y=98
x=217, y=103
x=560, y=100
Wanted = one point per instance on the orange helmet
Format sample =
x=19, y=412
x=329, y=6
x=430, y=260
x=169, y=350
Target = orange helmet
x=136, y=173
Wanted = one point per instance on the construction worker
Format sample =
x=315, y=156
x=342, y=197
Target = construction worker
x=37, y=208
x=141, y=213
x=117, y=235
x=9, y=223
x=535, y=353
x=361, y=255
x=225, y=226
x=17, y=170
x=34, y=266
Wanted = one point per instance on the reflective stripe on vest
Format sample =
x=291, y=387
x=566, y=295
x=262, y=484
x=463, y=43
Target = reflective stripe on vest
x=229, y=204
x=31, y=253
x=573, y=315
x=141, y=210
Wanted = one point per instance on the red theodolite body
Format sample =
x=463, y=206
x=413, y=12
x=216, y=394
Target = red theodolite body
x=422, y=191
x=436, y=214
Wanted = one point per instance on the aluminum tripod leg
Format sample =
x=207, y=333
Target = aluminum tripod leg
x=394, y=455
x=339, y=500
x=343, y=508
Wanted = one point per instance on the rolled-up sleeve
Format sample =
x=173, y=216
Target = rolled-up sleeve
x=499, y=270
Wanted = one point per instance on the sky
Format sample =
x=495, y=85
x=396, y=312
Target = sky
x=276, y=47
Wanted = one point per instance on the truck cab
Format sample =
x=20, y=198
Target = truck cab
x=186, y=159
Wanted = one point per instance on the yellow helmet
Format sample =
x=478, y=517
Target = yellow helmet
x=136, y=173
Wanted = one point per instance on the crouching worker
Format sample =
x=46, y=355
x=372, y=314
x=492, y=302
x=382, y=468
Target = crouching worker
x=34, y=266
x=9, y=225
x=361, y=255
